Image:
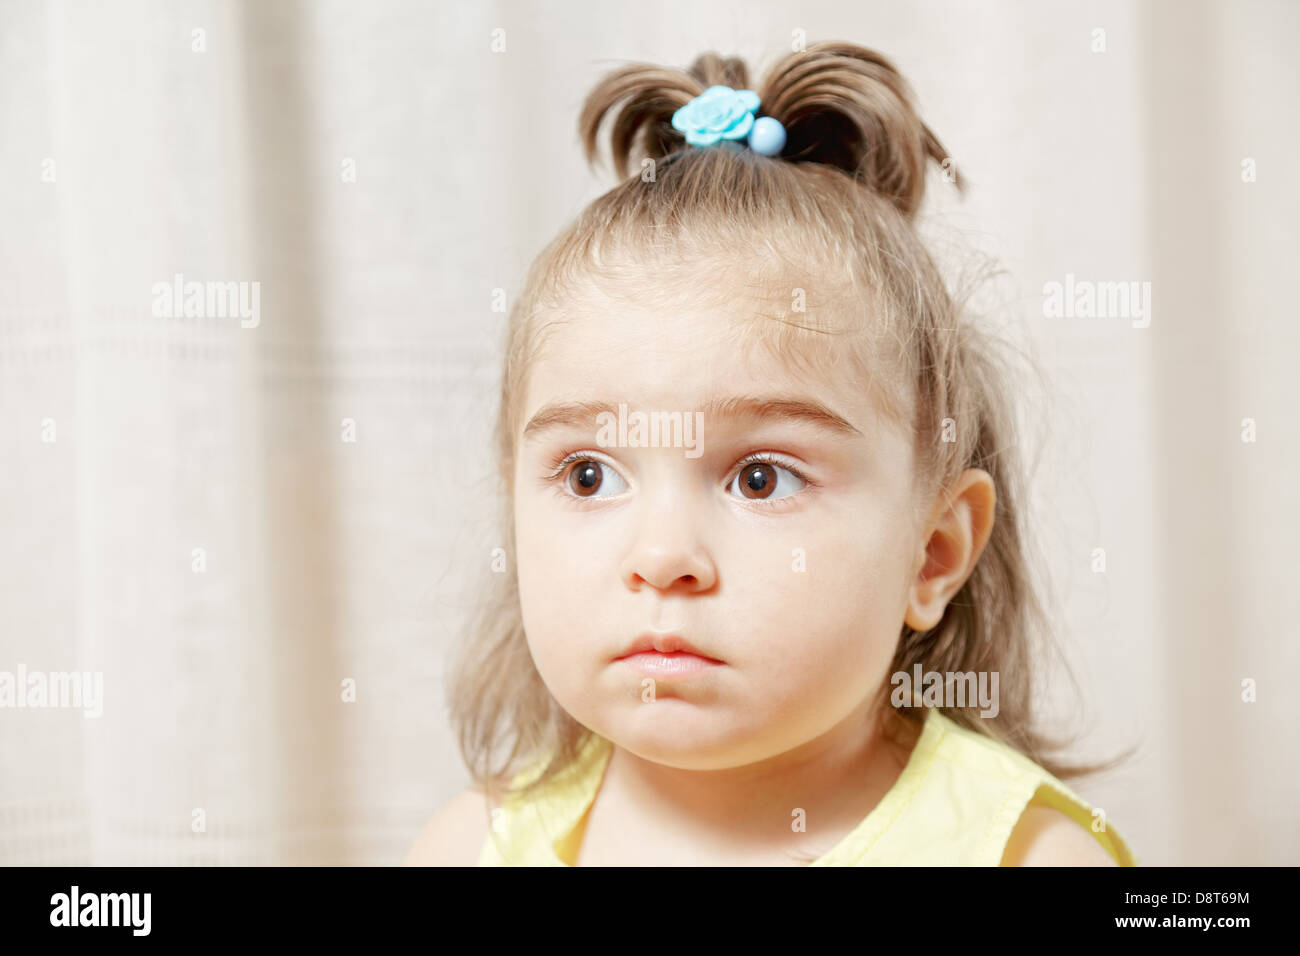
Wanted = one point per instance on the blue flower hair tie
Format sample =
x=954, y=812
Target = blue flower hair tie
x=721, y=113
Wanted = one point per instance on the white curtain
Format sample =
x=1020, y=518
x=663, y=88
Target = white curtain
x=263, y=536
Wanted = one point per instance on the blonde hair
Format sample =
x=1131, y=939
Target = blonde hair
x=845, y=190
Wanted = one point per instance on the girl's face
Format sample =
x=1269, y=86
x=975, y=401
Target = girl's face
x=793, y=571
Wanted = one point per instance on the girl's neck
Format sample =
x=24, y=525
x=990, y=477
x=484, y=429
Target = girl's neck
x=829, y=783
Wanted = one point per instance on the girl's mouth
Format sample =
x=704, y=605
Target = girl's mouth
x=672, y=664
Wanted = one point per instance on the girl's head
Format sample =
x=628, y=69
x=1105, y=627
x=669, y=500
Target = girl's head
x=842, y=501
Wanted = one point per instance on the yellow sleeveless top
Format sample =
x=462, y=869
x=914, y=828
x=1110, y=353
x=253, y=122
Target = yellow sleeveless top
x=955, y=804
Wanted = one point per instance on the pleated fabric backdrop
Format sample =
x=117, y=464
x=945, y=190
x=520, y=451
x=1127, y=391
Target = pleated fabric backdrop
x=264, y=529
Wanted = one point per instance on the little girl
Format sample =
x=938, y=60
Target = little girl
x=765, y=597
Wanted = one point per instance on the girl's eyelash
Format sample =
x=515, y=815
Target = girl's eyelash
x=557, y=466
x=769, y=458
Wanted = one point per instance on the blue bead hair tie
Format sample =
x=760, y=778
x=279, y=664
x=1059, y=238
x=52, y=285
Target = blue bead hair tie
x=721, y=113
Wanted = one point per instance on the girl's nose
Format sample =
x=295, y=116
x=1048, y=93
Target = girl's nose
x=669, y=552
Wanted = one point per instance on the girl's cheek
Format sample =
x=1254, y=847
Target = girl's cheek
x=535, y=568
x=833, y=576
x=555, y=572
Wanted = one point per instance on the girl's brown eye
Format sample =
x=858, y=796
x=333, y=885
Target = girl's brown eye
x=763, y=480
x=588, y=478
x=585, y=478
x=757, y=480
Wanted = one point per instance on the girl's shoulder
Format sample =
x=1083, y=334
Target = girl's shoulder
x=454, y=834
x=1032, y=817
x=1045, y=836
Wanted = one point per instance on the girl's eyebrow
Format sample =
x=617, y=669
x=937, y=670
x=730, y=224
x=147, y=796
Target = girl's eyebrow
x=796, y=408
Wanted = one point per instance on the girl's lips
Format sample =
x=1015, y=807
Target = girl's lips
x=674, y=664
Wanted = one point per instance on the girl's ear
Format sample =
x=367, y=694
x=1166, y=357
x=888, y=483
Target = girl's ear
x=955, y=539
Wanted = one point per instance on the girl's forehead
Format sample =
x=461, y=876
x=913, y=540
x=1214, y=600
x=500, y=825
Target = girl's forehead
x=634, y=335
x=665, y=346
x=691, y=360
x=685, y=349
x=677, y=319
